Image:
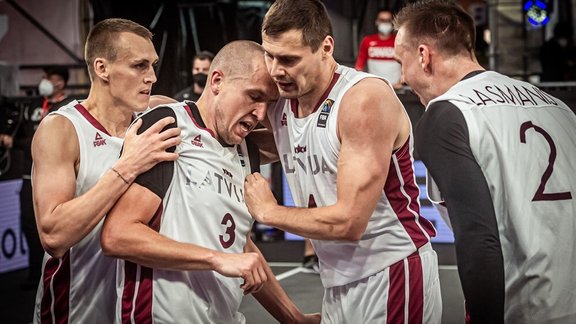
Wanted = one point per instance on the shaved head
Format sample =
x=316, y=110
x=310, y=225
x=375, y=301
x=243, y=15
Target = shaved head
x=237, y=58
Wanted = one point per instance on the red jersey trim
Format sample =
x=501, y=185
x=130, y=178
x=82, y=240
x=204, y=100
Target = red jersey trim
x=56, y=284
x=403, y=194
x=91, y=119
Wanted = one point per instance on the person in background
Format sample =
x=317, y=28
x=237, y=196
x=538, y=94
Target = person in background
x=52, y=89
x=376, y=53
x=84, y=158
x=500, y=154
x=200, y=67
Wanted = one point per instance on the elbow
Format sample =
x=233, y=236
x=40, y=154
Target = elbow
x=109, y=243
x=351, y=233
x=352, y=227
x=53, y=245
x=350, y=230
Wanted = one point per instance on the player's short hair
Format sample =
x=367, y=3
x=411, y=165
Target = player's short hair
x=440, y=22
x=101, y=41
x=309, y=16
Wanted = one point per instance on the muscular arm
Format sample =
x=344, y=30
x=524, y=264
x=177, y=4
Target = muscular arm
x=442, y=142
x=372, y=122
x=64, y=219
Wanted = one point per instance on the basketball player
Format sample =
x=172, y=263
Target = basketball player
x=183, y=227
x=501, y=152
x=345, y=144
x=78, y=175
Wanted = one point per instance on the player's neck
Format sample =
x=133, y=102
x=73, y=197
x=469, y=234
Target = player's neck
x=113, y=117
x=309, y=102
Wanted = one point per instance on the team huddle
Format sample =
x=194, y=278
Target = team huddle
x=153, y=224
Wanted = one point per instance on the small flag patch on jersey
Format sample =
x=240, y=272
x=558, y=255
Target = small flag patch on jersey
x=324, y=112
x=99, y=140
x=197, y=141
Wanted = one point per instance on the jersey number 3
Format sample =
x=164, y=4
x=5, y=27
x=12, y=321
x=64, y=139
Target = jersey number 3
x=228, y=220
x=540, y=194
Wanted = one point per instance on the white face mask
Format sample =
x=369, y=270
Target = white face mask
x=385, y=28
x=45, y=88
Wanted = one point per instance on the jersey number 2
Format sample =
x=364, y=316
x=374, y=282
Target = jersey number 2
x=228, y=220
x=540, y=194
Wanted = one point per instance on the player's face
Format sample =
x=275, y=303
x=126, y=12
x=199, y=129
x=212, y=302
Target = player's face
x=412, y=72
x=242, y=103
x=131, y=75
x=292, y=65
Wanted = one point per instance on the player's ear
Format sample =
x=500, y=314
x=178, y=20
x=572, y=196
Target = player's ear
x=216, y=79
x=101, y=69
x=424, y=57
x=327, y=46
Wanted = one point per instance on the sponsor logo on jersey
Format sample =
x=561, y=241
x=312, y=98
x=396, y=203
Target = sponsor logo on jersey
x=300, y=149
x=98, y=140
x=227, y=173
x=324, y=113
x=197, y=141
x=284, y=121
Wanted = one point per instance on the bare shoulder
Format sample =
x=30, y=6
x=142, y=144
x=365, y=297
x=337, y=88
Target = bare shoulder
x=55, y=129
x=372, y=107
x=371, y=95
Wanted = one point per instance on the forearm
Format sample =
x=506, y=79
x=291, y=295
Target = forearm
x=273, y=297
x=483, y=290
x=69, y=222
x=139, y=243
x=322, y=223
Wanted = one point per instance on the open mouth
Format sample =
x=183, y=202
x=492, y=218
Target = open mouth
x=284, y=85
x=247, y=126
x=145, y=92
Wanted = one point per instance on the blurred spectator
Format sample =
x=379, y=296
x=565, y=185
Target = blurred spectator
x=200, y=67
x=558, y=55
x=377, y=50
x=53, y=95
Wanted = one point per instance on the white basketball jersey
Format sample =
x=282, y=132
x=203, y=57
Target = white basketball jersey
x=525, y=142
x=309, y=149
x=204, y=205
x=79, y=287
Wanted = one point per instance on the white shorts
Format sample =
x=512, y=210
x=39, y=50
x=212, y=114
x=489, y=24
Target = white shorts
x=406, y=292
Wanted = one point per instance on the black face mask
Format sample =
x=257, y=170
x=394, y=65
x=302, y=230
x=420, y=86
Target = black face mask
x=200, y=79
